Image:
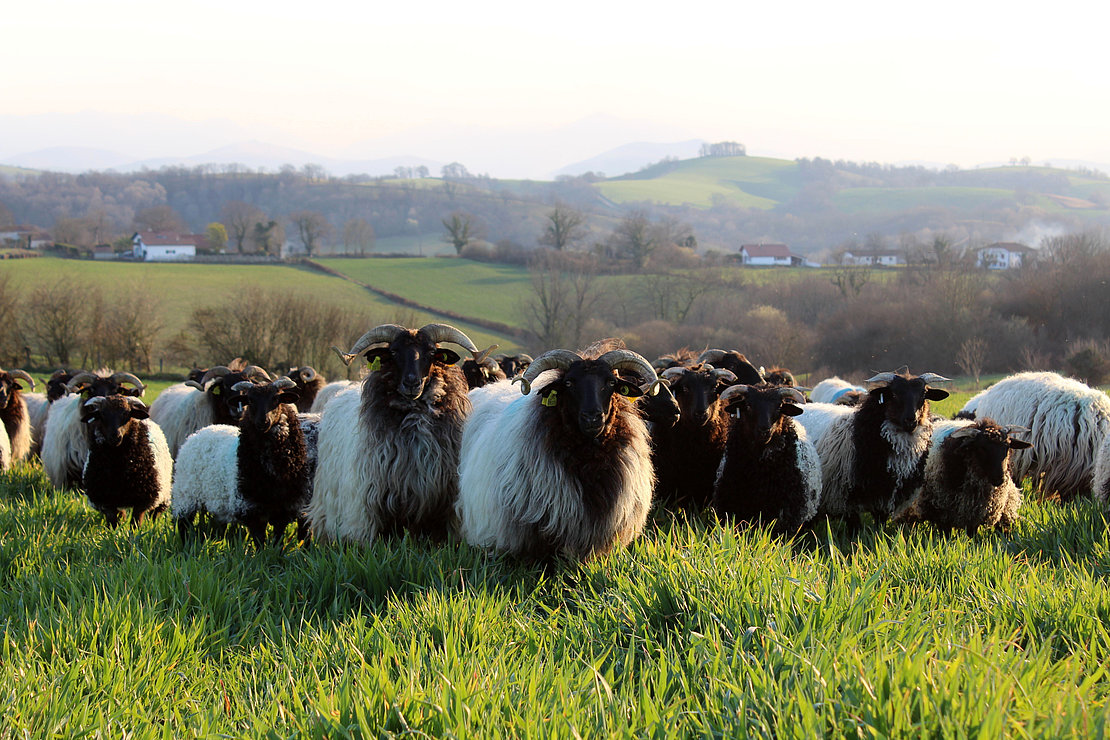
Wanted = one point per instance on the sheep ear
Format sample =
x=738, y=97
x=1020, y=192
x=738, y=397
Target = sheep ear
x=289, y=396
x=446, y=356
x=1018, y=444
x=936, y=394
x=789, y=409
x=375, y=357
x=628, y=390
x=140, y=412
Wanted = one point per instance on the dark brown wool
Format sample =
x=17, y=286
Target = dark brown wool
x=123, y=476
x=873, y=489
x=273, y=472
x=309, y=389
x=14, y=413
x=427, y=426
x=759, y=479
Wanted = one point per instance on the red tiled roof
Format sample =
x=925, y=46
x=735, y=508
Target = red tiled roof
x=152, y=239
x=767, y=250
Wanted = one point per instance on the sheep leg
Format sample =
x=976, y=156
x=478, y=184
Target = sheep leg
x=185, y=529
x=303, y=533
x=257, y=529
x=136, y=517
x=972, y=530
x=852, y=523
x=111, y=516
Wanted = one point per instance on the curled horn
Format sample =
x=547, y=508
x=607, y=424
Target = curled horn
x=671, y=373
x=522, y=357
x=23, y=374
x=483, y=357
x=254, y=372
x=723, y=374
x=447, y=333
x=282, y=383
x=556, y=358
x=711, y=356
x=128, y=378
x=934, y=378
x=625, y=359
x=95, y=402
x=194, y=384
x=307, y=373
x=80, y=379
x=214, y=372
x=1012, y=429
x=732, y=392
x=380, y=333
x=135, y=403
x=880, y=380
x=242, y=386
x=792, y=394
x=969, y=431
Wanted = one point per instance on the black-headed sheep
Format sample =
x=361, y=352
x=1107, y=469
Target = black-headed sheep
x=513, y=365
x=686, y=454
x=481, y=371
x=389, y=450
x=128, y=465
x=255, y=474
x=66, y=444
x=967, y=478
x=561, y=472
x=779, y=376
x=746, y=373
x=770, y=470
x=1068, y=420
x=13, y=412
x=309, y=383
x=873, y=456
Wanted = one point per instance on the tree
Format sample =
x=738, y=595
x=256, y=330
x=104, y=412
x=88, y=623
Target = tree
x=460, y=230
x=971, y=357
x=455, y=171
x=131, y=329
x=11, y=341
x=7, y=220
x=565, y=296
x=56, y=318
x=566, y=227
x=216, y=235
x=635, y=238
x=358, y=234
x=723, y=149
x=240, y=218
x=312, y=227
x=268, y=237
x=161, y=219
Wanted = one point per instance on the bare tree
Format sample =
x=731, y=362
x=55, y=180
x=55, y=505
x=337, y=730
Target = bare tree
x=131, y=329
x=460, y=230
x=162, y=219
x=312, y=227
x=11, y=340
x=358, y=234
x=971, y=357
x=565, y=295
x=239, y=218
x=850, y=279
x=56, y=318
x=635, y=238
x=565, y=228
x=268, y=237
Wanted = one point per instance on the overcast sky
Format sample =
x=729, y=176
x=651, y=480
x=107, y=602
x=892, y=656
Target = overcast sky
x=940, y=82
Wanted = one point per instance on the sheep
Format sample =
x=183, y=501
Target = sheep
x=1068, y=421
x=254, y=474
x=38, y=405
x=779, y=376
x=389, y=450
x=13, y=412
x=873, y=456
x=564, y=472
x=66, y=445
x=839, y=391
x=684, y=357
x=769, y=470
x=482, y=370
x=513, y=365
x=128, y=465
x=1102, y=472
x=746, y=373
x=686, y=454
x=329, y=392
x=309, y=382
x=967, y=479
x=186, y=407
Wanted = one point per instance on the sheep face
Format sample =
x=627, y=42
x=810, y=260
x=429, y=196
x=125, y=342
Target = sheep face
x=744, y=371
x=480, y=375
x=589, y=395
x=985, y=447
x=56, y=384
x=696, y=390
x=904, y=400
x=261, y=404
x=9, y=386
x=779, y=376
x=95, y=385
x=410, y=358
x=217, y=384
x=108, y=418
x=760, y=410
x=662, y=409
x=512, y=365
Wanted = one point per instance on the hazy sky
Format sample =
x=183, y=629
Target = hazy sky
x=940, y=81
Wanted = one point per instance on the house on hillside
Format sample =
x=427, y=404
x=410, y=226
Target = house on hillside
x=1004, y=256
x=151, y=247
x=757, y=255
x=25, y=237
x=874, y=257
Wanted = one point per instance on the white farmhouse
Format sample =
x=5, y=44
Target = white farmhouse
x=1004, y=256
x=152, y=247
x=757, y=255
x=874, y=257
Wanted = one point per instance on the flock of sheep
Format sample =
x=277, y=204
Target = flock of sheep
x=565, y=460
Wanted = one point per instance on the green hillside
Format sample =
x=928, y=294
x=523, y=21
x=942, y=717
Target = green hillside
x=752, y=182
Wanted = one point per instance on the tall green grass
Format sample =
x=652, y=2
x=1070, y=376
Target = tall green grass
x=696, y=630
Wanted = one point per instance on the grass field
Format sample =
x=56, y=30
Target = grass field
x=750, y=182
x=697, y=629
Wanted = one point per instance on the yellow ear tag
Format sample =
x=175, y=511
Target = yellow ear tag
x=549, y=399
x=376, y=365
x=216, y=390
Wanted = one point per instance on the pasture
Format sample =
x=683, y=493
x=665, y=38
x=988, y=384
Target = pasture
x=696, y=629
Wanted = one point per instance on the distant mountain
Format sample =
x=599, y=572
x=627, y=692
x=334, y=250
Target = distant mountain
x=632, y=157
x=68, y=159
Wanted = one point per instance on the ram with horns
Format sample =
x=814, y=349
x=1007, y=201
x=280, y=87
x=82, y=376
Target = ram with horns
x=66, y=446
x=873, y=455
x=564, y=471
x=388, y=450
x=14, y=414
x=186, y=407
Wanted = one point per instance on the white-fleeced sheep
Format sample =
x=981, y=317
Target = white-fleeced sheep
x=328, y=392
x=838, y=391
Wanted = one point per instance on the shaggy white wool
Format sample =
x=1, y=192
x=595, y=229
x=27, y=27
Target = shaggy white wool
x=206, y=475
x=5, y=449
x=1102, y=472
x=181, y=410
x=1067, y=420
x=335, y=512
x=810, y=466
x=818, y=417
x=329, y=392
x=37, y=410
x=65, y=447
x=828, y=390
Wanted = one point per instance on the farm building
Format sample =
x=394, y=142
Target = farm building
x=874, y=257
x=757, y=255
x=152, y=247
x=1004, y=256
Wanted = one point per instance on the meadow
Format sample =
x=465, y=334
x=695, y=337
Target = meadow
x=697, y=629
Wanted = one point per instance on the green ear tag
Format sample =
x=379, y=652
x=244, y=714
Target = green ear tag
x=216, y=390
x=549, y=399
x=376, y=365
